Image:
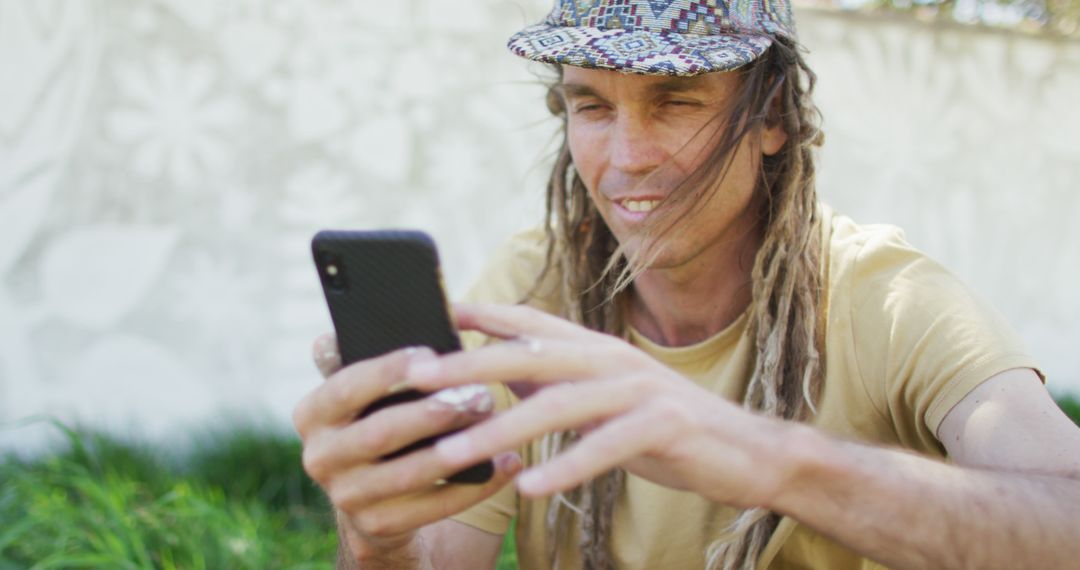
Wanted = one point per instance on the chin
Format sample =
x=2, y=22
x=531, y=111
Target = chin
x=668, y=256
x=671, y=253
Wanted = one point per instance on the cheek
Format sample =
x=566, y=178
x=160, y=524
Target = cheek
x=746, y=167
x=736, y=189
x=693, y=145
x=587, y=153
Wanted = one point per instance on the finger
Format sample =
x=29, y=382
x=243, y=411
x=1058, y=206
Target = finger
x=533, y=360
x=554, y=409
x=354, y=387
x=361, y=487
x=403, y=514
x=512, y=321
x=608, y=446
x=326, y=355
x=393, y=428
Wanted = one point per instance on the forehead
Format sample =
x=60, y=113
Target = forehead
x=581, y=81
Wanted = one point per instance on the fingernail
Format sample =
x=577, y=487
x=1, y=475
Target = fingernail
x=326, y=348
x=530, y=481
x=473, y=398
x=423, y=365
x=508, y=462
x=455, y=449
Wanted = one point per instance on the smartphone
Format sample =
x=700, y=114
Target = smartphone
x=385, y=292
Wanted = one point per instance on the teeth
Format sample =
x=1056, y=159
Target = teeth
x=640, y=205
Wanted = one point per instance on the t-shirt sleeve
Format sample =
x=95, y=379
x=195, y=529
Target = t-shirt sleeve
x=923, y=339
x=508, y=278
x=511, y=277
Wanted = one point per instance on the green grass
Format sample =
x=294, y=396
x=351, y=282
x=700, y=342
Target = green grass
x=232, y=497
x=231, y=502
x=1070, y=404
x=235, y=497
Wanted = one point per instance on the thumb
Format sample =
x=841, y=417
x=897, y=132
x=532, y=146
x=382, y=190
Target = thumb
x=326, y=354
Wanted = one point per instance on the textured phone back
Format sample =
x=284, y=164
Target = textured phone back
x=385, y=293
x=390, y=294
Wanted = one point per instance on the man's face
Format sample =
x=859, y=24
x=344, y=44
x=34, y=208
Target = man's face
x=635, y=138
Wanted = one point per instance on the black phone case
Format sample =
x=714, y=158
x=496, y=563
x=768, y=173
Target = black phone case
x=387, y=294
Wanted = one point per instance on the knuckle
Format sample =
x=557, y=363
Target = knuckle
x=405, y=484
x=385, y=488
x=376, y=524
x=351, y=497
x=391, y=367
x=301, y=417
x=342, y=499
x=315, y=463
x=372, y=437
x=338, y=388
x=670, y=412
x=637, y=388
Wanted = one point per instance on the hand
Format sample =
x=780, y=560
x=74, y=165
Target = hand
x=635, y=412
x=385, y=502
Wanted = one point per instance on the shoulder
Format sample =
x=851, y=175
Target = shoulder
x=862, y=255
x=887, y=286
x=874, y=267
x=525, y=250
x=916, y=335
x=517, y=273
x=512, y=272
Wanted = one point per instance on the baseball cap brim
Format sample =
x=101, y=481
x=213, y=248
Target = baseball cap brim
x=638, y=51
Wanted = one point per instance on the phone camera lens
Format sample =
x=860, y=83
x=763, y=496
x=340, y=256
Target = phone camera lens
x=332, y=272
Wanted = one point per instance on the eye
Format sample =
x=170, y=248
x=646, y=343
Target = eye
x=588, y=107
x=681, y=103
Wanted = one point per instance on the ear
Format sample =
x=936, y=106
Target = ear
x=773, y=135
x=773, y=139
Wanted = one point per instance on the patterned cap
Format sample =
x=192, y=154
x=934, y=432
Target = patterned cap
x=656, y=37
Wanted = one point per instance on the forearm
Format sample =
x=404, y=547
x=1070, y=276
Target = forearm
x=908, y=511
x=355, y=554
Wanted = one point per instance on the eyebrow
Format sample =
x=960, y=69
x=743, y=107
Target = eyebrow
x=576, y=90
x=674, y=85
x=678, y=85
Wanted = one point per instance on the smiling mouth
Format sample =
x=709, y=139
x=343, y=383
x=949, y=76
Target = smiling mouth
x=642, y=206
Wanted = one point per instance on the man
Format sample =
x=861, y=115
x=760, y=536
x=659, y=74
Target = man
x=886, y=417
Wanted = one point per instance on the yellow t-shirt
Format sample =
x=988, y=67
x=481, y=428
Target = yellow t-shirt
x=905, y=342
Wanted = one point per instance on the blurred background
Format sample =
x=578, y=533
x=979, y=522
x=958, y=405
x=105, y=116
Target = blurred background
x=165, y=163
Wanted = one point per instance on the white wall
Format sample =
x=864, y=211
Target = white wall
x=970, y=141
x=164, y=163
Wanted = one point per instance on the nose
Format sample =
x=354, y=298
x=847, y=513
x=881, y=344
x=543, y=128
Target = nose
x=634, y=148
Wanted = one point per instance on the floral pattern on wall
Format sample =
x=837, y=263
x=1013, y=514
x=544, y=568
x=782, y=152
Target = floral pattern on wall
x=165, y=162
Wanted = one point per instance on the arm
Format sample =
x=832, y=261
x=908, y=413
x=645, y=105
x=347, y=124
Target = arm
x=1008, y=501
x=1011, y=500
x=446, y=544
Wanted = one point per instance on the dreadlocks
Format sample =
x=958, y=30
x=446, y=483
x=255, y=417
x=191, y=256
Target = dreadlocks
x=786, y=275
